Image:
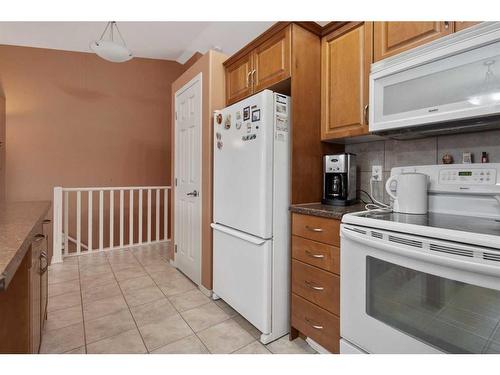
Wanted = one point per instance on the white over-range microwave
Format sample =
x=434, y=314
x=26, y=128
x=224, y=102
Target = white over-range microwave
x=450, y=84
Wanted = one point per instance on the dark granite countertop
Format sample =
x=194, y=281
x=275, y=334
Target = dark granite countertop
x=18, y=222
x=324, y=210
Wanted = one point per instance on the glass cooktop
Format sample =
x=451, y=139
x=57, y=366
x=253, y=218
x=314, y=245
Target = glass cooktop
x=436, y=220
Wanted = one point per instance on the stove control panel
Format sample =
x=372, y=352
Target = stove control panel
x=473, y=176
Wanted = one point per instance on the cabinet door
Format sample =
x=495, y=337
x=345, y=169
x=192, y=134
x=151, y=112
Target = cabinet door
x=238, y=79
x=2, y=148
x=44, y=282
x=271, y=60
x=35, y=295
x=460, y=25
x=391, y=38
x=346, y=55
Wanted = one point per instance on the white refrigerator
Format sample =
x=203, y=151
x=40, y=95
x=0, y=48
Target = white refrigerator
x=251, y=220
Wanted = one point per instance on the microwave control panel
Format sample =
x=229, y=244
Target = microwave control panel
x=473, y=176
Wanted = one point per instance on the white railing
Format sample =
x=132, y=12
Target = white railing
x=133, y=222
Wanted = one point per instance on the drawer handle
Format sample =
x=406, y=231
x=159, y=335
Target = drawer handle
x=38, y=238
x=312, y=286
x=314, y=229
x=43, y=255
x=317, y=256
x=312, y=324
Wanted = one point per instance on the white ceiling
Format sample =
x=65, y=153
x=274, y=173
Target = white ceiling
x=159, y=40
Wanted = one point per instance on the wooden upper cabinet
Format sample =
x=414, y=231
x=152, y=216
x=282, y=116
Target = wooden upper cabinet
x=346, y=55
x=460, y=25
x=391, y=38
x=238, y=79
x=271, y=60
x=267, y=62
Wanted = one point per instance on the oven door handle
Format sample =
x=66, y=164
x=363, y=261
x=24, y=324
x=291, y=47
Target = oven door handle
x=422, y=254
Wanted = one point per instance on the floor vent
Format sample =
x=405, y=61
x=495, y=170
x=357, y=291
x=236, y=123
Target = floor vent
x=405, y=241
x=451, y=250
x=491, y=257
x=377, y=235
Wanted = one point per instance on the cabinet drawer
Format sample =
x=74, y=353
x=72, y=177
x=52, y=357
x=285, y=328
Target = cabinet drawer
x=316, y=323
x=317, y=286
x=316, y=228
x=317, y=254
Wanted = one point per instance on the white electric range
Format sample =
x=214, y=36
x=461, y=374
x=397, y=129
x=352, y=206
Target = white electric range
x=426, y=283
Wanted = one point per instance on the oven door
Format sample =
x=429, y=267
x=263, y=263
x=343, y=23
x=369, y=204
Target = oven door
x=409, y=294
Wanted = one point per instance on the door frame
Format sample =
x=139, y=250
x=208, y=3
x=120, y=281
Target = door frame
x=197, y=78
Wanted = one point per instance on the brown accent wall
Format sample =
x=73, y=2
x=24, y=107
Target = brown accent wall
x=76, y=120
x=213, y=97
x=2, y=146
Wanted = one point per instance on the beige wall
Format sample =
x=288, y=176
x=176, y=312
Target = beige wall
x=2, y=146
x=76, y=120
x=212, y=70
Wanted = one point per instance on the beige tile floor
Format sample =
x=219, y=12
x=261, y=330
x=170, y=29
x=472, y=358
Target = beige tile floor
x=133, y=301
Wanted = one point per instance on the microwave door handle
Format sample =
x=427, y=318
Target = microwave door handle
x=421, y=255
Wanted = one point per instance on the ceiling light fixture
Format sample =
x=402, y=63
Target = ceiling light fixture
x=109, y=49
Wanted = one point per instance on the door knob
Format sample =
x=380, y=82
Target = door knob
x=194, y=193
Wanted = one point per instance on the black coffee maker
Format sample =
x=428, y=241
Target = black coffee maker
x=339, y=179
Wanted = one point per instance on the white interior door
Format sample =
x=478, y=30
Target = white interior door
x=187, y=214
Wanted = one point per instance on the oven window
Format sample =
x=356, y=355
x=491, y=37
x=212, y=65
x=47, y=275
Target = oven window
x=452, y=316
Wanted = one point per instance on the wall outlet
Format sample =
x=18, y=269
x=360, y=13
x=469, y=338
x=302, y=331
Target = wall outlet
x=377, y=172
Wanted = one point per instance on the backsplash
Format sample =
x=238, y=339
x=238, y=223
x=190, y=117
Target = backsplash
x=391, y=153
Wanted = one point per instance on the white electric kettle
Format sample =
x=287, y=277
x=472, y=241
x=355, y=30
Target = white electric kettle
x=410, y=192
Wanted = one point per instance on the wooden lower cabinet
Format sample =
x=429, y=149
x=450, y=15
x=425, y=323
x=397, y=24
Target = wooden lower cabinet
x=35, y=299
x=15, y=322
x=317, y=286
x=317, y=254
x=316, y=323
x=23, y=305
x=316, y=228
x=315, y=300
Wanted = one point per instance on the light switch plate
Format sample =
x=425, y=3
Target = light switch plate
x=377, y=172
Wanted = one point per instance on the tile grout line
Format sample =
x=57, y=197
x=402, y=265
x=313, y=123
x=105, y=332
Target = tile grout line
x=175, y=308
x=129, y=310
x=196, y=333
x=81, y=301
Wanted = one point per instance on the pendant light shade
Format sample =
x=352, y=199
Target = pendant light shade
x=111, y=49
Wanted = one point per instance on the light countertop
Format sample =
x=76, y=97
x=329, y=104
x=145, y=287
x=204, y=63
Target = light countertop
x=18, y=223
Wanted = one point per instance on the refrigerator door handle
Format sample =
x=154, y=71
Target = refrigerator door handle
x=238, y=234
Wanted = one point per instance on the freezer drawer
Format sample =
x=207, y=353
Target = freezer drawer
x=242, y=274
